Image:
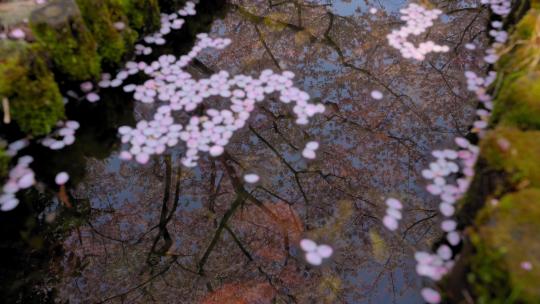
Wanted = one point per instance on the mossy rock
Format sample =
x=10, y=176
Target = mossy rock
x=522, y=51
x=60, y=29
x=143, y=15
x=515, y=152
x=25, y=80
x=507, y=236
x=100, y=17
x=518, y=101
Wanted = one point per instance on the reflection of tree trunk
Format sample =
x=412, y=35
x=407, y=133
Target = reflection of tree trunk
x=215, y=186
x=294, y=171
x=166, y=215
x=261, y=38
x=241, y=196
x=141, y=285
x=217, y=235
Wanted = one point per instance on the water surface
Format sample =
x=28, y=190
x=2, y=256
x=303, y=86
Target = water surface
x=168, y=234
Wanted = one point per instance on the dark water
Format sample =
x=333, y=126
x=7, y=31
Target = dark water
x=168, y=234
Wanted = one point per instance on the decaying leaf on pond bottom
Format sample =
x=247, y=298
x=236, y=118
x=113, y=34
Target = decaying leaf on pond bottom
x=378, y=247
x=247, y=293
x=271, y=228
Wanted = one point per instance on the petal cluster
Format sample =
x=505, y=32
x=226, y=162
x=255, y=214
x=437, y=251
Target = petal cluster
x=434, y=266
x=210, y=133
x=63, y=136
x=499, y=7
x=20, y=177
x=453, y=170
x=417, y=20
x=315, y=254
x=393, y=214
x=310, y=149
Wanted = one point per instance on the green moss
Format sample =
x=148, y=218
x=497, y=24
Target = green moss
x=143, y=15
x=60, y=29
x=518, y=102
x=508, y=236
x=518, y=98
x=526, y=27
x=4, y=162
x=515, y=152
x=522, y=52
x=100, y=16
x=34, y=99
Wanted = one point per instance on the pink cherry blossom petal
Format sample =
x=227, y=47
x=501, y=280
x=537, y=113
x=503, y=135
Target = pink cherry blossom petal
x=324, y=251
x=430, y=295
x=313, y=258
x=390, y=223
x=308, y=245
x=61, y=178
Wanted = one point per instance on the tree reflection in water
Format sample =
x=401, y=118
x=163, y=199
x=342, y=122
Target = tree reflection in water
x=169, y=234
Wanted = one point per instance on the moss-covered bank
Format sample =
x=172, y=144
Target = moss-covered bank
x=29, y=88
x=500, y=260
x=71, y=40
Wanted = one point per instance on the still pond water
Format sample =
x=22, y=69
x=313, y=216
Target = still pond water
x=163, y=233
